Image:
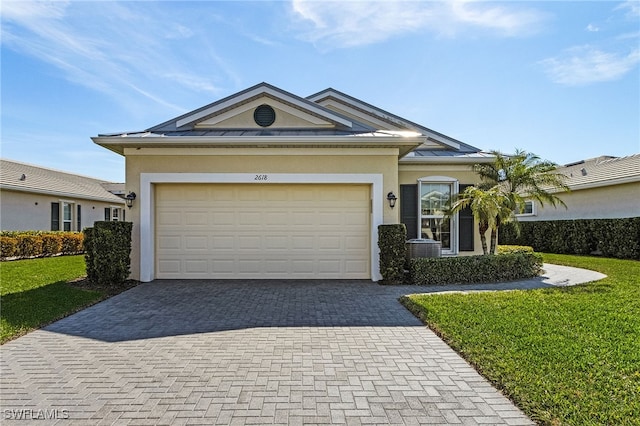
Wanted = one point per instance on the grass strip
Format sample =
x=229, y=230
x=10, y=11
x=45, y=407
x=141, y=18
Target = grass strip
x=565, y=356
x=36, y=292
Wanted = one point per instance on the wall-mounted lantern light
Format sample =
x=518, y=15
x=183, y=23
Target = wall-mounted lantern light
x=129, y=199
x=392, y=199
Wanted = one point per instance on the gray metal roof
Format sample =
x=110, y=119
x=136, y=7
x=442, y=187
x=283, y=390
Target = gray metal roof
x=392, y=118
x=17, y=176
x=253, y=132
x=185, y=126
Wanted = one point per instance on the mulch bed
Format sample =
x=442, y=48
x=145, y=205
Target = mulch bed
x=108, y=290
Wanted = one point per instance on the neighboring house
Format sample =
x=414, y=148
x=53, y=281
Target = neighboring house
x=267, y=184
x=35, y=198
x=601, y=188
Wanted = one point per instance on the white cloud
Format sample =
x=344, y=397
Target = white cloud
x=508, y=21
x=632, y=7
x=354, y=23
x=592, y=28
x=123, y=50
x=585, y=65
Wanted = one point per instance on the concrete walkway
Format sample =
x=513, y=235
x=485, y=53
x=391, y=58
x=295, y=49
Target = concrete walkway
x=250, y=352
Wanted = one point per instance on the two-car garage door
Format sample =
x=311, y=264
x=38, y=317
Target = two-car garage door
x=262, y=231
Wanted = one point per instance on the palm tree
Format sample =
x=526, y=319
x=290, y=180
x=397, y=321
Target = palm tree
x=489, y=208
x=523, y=176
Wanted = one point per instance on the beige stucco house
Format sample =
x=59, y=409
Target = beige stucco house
x=34, y=198
x=601, y=188
x=268, y=184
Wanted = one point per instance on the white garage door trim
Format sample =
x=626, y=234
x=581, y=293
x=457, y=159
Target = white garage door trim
x=147, y=228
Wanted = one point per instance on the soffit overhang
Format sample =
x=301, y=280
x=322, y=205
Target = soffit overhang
x=404, y=144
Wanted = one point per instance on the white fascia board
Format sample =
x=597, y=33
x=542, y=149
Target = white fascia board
x=119, y=143
x=147, y=205
x=257, y=92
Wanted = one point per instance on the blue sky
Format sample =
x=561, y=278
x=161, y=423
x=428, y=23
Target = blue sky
x=560, y=79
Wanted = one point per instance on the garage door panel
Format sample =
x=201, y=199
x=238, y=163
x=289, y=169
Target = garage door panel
x=222, y=218
x=196, y=218
x=169, y=218
x=196, y=243
x=196, y=266
x=257, y=231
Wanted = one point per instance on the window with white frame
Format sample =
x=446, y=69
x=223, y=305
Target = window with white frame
x=528, y=210
x=113, y=214
x=435, y=193
x=65, y=216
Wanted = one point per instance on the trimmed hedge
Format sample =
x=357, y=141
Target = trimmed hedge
x=619, y=238
x=107, y=254
x=514, y=249
x=474, y=269
x=28, y=244
x=392, y=243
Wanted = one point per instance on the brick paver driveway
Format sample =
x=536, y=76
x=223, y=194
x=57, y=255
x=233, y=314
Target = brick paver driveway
x=239, y=352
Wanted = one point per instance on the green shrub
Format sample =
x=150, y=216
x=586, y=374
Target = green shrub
x=107, y=252
x=28, y=244
x=8, y=246
x=72, y=243
x=514, y=249
x=392, y=243
x=475, y=269
x=619, y=238
x=51, y=244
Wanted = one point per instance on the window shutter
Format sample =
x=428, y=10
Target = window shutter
x=107, y=214
x=409, y=209
x=465, y=227
x=55, y=216
x=79, y=219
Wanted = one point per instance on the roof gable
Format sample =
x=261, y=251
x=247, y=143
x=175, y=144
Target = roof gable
x=328, y=118
x=216, y=114
x=372, y=115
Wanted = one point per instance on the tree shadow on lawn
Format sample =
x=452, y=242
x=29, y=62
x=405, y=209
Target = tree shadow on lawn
x=26, y=310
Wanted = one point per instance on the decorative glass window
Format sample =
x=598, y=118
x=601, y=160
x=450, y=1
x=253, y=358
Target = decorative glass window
x=435, y=193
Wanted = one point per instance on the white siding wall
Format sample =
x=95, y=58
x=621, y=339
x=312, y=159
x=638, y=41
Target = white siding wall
x=618, y=201
x=21, y=211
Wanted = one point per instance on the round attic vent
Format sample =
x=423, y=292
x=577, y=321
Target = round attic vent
x=264, y=116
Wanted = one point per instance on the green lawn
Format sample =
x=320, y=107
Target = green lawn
x=565, y=356
x=35, y=292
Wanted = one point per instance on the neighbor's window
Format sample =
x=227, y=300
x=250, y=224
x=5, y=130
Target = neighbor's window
x=434, y=198
x=67, y=219
x=529, y=209
x=65, y=216
x=113, y=214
